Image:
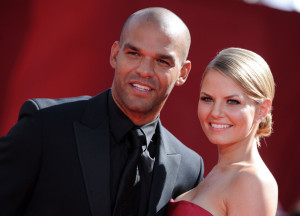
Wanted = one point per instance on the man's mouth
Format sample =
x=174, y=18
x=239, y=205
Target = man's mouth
x=141, y=87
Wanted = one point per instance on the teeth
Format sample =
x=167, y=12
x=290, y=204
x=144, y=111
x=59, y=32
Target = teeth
x=141, y=88
x=219, y=126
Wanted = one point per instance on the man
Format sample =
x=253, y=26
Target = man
x=70, y=156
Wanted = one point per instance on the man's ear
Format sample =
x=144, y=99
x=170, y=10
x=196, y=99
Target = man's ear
x=184, y=73
x=264, y=109
x=115, y=48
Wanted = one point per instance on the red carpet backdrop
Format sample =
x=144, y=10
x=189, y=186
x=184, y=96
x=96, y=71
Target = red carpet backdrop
x=55, y=48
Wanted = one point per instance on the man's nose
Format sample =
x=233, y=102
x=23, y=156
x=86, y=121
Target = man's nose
x=145, y=67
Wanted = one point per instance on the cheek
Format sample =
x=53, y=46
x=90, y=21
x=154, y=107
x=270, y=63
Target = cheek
x=243, y=117
x=125, y=63
x=122, y=66
x=122, y=71
x=166, y=81
x=203, y=112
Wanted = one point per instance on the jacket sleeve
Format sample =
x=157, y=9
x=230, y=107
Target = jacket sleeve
x=201, y=172
x=20, y=154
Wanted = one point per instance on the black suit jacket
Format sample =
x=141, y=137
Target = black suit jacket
x=56, y=161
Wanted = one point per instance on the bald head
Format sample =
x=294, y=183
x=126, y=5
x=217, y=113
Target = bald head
x=166, y=21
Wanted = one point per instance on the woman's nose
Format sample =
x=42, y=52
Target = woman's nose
x=217, y=110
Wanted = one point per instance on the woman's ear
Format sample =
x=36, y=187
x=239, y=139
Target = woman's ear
x=264, y=109
x=184, y=73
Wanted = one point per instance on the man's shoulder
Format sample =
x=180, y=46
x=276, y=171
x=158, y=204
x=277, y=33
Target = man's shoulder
x=41, y=103
x=32, y=106
x=176, y=143
x=49, y=105
x=191, y=168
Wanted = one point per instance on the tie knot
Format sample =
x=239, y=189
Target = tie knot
x=137, y=137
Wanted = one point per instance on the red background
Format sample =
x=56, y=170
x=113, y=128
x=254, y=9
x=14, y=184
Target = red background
x=55, y=48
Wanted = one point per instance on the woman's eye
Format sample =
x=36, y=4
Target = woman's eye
x=206, y=99
x=231, y=101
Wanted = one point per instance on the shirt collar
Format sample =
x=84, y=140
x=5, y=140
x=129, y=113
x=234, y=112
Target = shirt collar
x=149, y=130
x=120, y=124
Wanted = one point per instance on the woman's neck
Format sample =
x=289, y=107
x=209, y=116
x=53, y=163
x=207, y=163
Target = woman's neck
x=244, y=152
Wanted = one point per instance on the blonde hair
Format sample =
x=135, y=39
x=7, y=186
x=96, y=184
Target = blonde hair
x=251, y=72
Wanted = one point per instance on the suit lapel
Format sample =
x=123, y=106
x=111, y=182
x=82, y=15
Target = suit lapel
x=92, y=138
x=165, y=173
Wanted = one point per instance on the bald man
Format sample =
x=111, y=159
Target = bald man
x=69, y=157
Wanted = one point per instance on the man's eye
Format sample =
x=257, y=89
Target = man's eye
x=206, y=99
x=231, y=101
x=133, y=53
x=163, y=62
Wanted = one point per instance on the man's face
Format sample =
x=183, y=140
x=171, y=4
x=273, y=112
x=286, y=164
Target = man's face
x=148, y=63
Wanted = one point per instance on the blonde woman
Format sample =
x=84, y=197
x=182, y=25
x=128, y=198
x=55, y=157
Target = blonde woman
x=234, y=110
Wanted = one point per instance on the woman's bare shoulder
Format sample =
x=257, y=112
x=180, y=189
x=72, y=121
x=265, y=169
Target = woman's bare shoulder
x=252, y=191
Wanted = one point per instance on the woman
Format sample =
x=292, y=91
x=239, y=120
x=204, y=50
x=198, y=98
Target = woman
x=234, y=110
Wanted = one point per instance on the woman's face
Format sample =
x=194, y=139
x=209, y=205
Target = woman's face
x=226, y=114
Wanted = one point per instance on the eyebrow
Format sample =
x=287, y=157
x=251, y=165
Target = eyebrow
x=234, y=95
x=202, y=92
x=162, y=56
x=130, y=46
x=229, y=96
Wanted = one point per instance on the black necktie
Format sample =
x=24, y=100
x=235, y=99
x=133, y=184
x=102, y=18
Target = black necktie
x=129, y=195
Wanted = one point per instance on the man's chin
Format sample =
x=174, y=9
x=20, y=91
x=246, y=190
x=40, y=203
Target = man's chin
x=139, y=109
